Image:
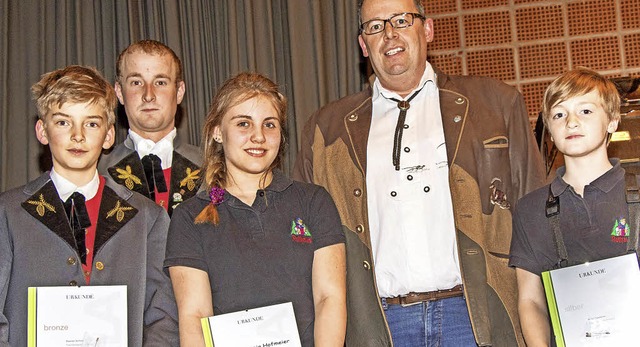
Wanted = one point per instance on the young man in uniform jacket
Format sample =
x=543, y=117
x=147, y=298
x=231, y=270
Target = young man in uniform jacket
x=152, y=160
x=488, y=157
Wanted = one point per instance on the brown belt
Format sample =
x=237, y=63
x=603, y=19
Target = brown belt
x=413, y=298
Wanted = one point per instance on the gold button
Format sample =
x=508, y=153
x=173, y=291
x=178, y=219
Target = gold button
x=353, y=117
x=366, y=265
x=99, y=265
x=357, y=192
x=87, y=273
x=73, y=283
x=359, y=228
x=459, y=101
x=71, y=261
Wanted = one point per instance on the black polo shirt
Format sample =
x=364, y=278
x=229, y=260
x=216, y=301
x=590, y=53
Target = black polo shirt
x=262, y=254
x=592, y=226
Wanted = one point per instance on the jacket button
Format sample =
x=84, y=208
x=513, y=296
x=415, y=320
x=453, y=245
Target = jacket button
x=457, y=119
x=73, y=283
x=359, y=228
x=353, y=117
x=87, y=273
x=71, y=261
x=366, y=265
x=459, y=101
x=99, y=265
x=357, y=192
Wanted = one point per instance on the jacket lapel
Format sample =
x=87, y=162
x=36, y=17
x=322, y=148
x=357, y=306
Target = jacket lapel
x=45, y=206
x=185, y=180
x=130, y=173
x=453, y=108
x=114, y=213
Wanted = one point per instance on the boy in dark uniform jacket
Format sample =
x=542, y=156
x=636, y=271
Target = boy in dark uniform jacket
x=73, y=227
x=152, y=160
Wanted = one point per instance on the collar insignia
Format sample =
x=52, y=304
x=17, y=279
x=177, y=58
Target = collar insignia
x=299, y=231
x=118, y=211
x=129, y=178
x=42, y=206
x=190, y=179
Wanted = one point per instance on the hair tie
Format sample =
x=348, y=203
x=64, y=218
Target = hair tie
x=216, y=194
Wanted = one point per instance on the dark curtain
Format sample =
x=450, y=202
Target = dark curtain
x=309, y=47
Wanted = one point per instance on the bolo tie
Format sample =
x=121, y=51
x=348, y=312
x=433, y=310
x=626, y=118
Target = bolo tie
x=403, y=105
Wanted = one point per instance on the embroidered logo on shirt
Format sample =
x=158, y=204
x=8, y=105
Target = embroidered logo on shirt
x=42, y=206
x=129, y=178
x=620, y=231
x=299, y=231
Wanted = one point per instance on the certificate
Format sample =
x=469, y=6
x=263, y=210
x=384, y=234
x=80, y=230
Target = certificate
x=77, y=316
x=269, y=326
x=596, y=303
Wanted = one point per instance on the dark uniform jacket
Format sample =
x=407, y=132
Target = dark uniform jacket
x=125, y=167
x=37, y=248
x=493, y=161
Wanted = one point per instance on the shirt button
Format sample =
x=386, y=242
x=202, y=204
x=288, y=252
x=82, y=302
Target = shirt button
x=359, y=228
x=426, y=189
x=407, y=149
x=99, y=265
x=366, y=265
x=406, y=126
x=409, y=177
x=73, y=283
x=393, y=193
x=71, y=261
x=357, y=192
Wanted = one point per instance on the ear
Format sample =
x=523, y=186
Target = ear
x=41, y=132
x=428, y=29
x=363, y=46
x=217, y=134
x=613, y=126
x=181, y=90
x=118, y=89
x=110, y=138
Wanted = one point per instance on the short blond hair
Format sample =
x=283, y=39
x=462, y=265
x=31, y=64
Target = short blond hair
x=74, y=84
x=151, y=47
x=578, y=82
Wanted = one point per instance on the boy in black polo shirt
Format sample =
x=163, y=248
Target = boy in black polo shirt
x=580, y=109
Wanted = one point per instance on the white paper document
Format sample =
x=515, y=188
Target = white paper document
x=269, y=326
x=77, y=316
x=595, y=304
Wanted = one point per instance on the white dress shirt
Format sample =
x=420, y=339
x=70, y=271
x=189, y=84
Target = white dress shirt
x=410, y=210
x=65, y=187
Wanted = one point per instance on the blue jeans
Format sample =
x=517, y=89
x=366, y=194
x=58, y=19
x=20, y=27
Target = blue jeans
x=440, y=323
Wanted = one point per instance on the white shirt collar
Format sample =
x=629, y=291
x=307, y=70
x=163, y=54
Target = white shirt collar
x=163, y=148
x=429, y=75
x=65, y=187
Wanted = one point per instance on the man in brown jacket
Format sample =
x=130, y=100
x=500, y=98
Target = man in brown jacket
x=425, y=169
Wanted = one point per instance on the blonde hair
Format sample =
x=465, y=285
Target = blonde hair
x=75, y=84
x=234, y=91
x=150, y=47
x=578, y=82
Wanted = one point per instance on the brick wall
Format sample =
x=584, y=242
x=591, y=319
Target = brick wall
x=527, y=43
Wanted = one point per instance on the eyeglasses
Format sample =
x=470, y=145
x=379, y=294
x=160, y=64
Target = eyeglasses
x=397, y=21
